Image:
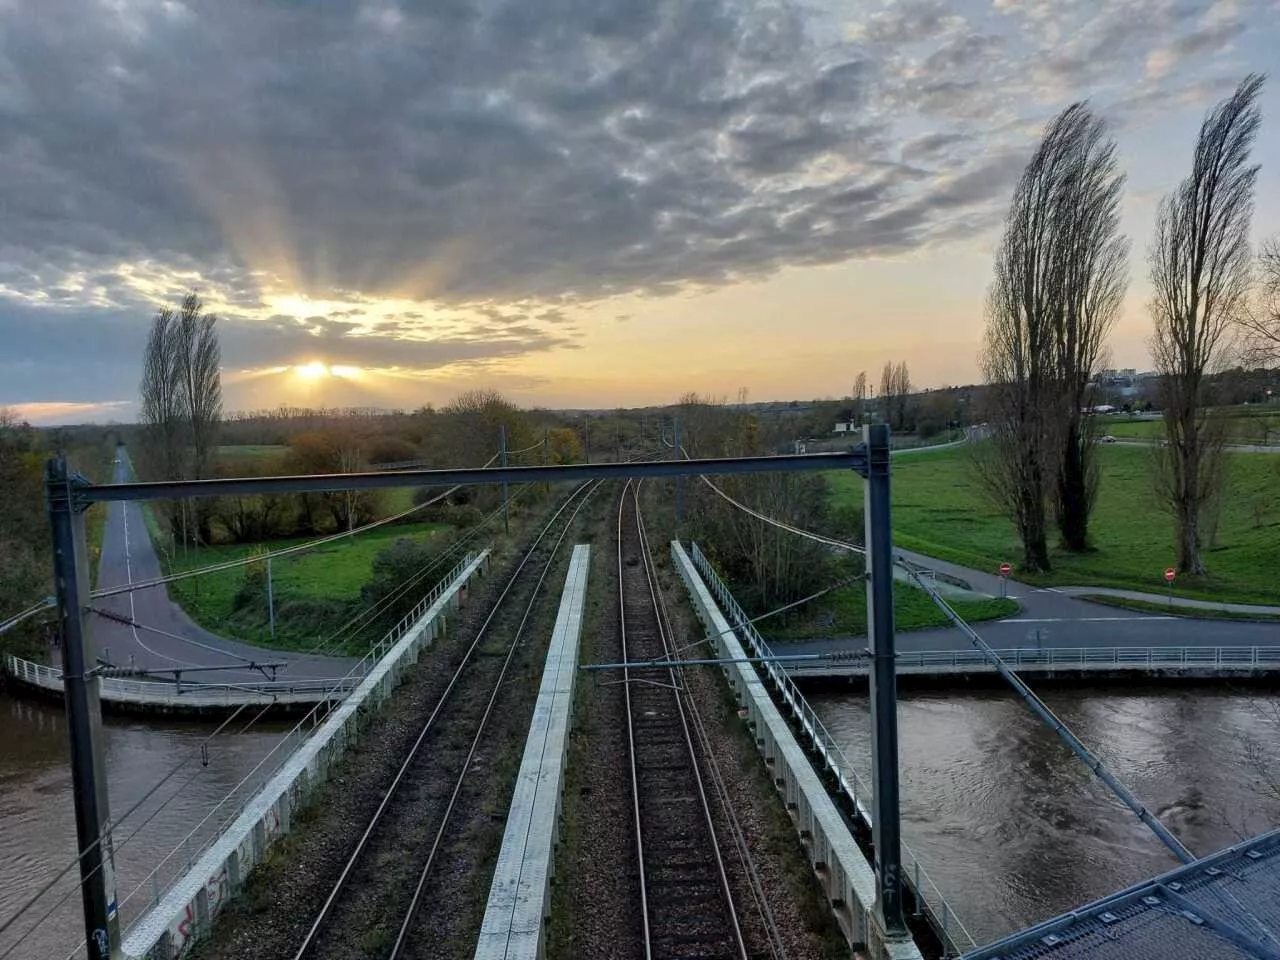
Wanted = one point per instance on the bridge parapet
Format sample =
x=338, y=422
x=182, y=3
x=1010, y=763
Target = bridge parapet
x=176, y=920
x=839, y=862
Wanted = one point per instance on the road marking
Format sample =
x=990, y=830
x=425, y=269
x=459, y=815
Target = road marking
x=1082, y=619
x=128, y=572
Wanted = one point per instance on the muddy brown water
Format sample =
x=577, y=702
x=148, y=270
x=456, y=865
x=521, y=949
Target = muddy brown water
x=1015, y=830
x=37, y=820
x=1012, y=828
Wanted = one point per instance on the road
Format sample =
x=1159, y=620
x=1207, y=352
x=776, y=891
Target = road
x=128, y=556
x=1053, y=618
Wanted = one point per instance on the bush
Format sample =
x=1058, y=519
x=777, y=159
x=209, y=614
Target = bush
x=403, y=563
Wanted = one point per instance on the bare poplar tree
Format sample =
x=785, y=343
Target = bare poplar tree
x=182, y=397
x=162, y=406
x=888, y=388
x=1018, y=357
x=1200, y=263
x=1092, y=261
x=199, y=362
x=1059, y=282
x=1260, y=323
x=901, y=392
x=859, y=397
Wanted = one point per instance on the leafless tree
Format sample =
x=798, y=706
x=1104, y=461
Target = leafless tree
x=182, y=397
x=1091, y=263
x=1019, y=357
x=162, y=406
x=887, y=385
x=1260, y=322
x=1200, y=264
x=1059, y=282
x=199, y=361
x=859, y=397
x=895, y=386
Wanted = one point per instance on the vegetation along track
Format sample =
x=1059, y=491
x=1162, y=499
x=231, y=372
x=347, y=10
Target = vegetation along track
x=689, y=906
x=376, y=906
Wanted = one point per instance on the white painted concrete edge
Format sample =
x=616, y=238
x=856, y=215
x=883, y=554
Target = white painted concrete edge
x=188, y=908
x=842, y=870
x=519, y=897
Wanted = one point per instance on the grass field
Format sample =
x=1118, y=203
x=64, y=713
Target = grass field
x=1144, y=429
x=327, y=577
x=1191, y=613
x=939, y=510
x=1244, y=425
x=843, y=613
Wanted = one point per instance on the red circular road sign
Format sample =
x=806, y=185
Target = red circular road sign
x=1170, y=573
x=1005, y=569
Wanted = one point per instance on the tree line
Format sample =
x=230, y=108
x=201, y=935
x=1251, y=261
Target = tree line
x=1060, y=275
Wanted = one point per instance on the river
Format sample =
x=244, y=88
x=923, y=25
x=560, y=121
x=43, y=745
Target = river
x=1014, y=829
x=1009, y=824
x=37, y=821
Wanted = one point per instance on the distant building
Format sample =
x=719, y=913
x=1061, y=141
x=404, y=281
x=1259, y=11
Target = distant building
x=1125, y=383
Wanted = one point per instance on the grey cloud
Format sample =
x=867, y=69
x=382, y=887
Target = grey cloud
x=515, y=156
x=250, y=344
x=911, y=20
x=451, y=153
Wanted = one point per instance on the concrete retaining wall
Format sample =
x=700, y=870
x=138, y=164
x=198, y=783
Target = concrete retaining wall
x=520, y=895
x=843, y=871
x=184, y=914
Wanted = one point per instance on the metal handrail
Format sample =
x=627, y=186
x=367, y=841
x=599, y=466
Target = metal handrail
x=216, y=694
x=1075, y=656
x=853, y=786
x=321, y=713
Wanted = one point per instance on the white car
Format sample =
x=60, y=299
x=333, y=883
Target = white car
x=1108, y=439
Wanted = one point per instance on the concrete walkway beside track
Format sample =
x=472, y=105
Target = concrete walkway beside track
x=520, y=895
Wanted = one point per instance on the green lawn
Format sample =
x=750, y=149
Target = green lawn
x=1191, y=613
x=319, y=585
x=1244, y=425
x=844, y=612
x=1127, y=429
x=939, y=510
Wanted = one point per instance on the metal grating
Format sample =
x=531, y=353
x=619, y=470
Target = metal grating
x=1225, y=906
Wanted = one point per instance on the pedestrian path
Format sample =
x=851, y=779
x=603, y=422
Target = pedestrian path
x=1165, y=600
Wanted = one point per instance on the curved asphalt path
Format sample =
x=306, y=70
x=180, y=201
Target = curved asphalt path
x=1051, y=617
x=129, y=556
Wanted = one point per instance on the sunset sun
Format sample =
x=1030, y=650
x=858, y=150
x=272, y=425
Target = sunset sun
x=315, y=370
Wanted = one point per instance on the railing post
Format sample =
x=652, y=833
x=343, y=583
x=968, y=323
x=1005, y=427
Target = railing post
x=84, y=714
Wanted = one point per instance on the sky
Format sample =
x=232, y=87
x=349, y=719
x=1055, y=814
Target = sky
x=581, y=203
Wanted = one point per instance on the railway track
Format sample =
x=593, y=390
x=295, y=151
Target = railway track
x=375, y=908
x=696, y=874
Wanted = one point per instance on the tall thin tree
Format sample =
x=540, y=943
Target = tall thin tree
x=199, y=361
x=163, y=411
x=859, y=397
x=1200, y=271
x=1092, y=259
x=1018, y=356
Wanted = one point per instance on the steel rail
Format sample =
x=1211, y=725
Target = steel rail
x=86, y=493
x=309, y=941
x=763, y=910
x=677, y=693
x=411, y=912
